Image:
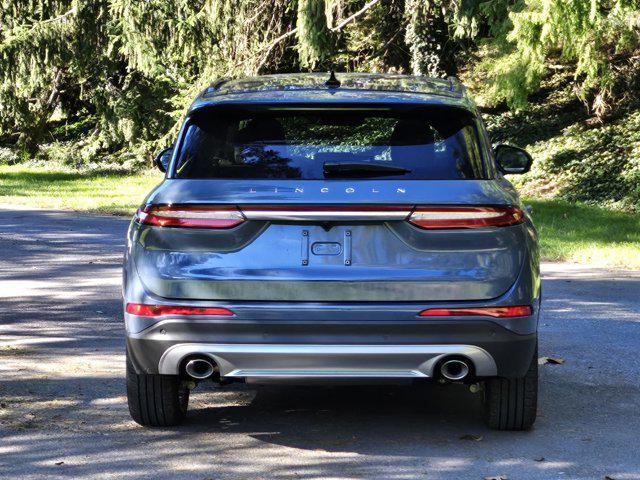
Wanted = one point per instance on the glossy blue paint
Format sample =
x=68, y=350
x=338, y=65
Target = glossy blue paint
x=391, y=261
x=348, y=81
x=325, y=192
x=336, y=281
x=356, y=88
x=325, y=97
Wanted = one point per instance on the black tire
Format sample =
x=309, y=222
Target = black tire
x=512, y=403
x=156, y=400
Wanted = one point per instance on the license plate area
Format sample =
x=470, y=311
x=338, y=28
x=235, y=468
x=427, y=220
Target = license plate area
x=326, y=247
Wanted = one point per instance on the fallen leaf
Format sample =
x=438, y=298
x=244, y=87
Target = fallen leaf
x=59, y=463
x=608, y=477
x=539, y=459
x=469, y=436
x=550, y=360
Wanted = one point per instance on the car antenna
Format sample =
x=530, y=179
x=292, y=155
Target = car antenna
x=333, y=82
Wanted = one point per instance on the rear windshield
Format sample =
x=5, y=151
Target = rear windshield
x=347, y=143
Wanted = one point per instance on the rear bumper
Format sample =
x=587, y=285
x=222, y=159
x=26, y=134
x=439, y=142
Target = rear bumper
x=326, y=361
x=285, y=349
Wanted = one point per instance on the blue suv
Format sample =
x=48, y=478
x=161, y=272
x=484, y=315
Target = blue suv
x=315, y=226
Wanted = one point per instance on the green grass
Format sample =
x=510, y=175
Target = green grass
x=568, y=232
x=587, y=234
x=58, y=188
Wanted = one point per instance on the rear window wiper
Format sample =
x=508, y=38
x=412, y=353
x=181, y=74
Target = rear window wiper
x=355, y=168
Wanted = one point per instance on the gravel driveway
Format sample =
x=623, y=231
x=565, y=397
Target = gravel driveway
x=63, y=413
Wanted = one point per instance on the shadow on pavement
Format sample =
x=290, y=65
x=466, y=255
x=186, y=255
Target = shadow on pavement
x=62, y=396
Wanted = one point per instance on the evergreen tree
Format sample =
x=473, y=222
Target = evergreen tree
x=427, y=35
x=314, y=41
x=121, y=72
x=47, y=54
x=598, y=37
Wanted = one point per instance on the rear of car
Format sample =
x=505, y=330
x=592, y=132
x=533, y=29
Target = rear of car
x=306, y=231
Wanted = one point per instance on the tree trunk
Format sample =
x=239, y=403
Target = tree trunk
x=427, y=35
x=30, y=139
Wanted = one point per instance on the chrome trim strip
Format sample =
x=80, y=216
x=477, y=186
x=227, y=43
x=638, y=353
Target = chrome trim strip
x=293, y=373
x=326, y=361
x=313, y=215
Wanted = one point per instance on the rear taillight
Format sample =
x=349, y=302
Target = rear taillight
x=190, y=216
x=465, y=217
x=146, y=310
x=496, y=312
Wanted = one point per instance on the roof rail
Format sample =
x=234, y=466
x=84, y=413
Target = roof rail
x=215, y=85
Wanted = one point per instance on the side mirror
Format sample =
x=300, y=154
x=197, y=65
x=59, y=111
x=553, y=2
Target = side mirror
x=513, y=159
x=163, y=158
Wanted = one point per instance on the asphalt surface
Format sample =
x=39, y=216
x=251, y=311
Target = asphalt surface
x=63, y=412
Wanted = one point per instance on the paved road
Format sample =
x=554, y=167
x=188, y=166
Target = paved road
x=62, y=367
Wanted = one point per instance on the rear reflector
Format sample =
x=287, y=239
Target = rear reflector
x=497, y=312
x=158, y=310
x=190, y=216
x=465, y=217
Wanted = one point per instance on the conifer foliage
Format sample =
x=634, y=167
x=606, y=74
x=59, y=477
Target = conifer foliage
x=111, y=78
x=597, y=38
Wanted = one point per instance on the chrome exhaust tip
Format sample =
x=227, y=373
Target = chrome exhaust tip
x=199, y=368
x=455, y=369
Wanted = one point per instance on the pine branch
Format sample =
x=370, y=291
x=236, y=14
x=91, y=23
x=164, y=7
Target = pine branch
x=266, y=50
x=367, y=6
x=277, y=40
x=69, y=12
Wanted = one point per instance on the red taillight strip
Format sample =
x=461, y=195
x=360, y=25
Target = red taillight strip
x=496, y=312
x=190, y=216
x=428, y=217
x=145, y=310
x=465, y=217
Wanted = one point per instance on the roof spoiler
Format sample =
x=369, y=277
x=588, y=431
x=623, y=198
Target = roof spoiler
x=215, y=85
x=454, y=84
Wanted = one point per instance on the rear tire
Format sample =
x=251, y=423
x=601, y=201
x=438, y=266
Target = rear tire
x=156, y=400
x=511, y=403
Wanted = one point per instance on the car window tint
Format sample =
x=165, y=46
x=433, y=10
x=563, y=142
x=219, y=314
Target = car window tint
x=298, y=145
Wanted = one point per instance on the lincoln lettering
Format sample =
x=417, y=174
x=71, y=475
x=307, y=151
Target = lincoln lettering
x=399, y=190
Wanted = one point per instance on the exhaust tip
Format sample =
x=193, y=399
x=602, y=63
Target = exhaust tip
x=455, y=369
x=199, y=368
